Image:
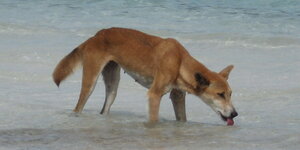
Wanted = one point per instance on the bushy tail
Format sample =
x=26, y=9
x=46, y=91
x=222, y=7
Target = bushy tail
x=66, y=66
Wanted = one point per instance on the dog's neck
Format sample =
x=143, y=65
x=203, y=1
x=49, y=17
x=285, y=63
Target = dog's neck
x=189, y=67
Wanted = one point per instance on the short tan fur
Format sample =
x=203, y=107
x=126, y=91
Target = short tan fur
x=161, y=65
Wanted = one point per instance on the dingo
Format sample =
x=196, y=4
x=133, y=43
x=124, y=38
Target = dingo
x=161, y=65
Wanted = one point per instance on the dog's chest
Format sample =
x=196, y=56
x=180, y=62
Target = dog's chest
x=142, y=80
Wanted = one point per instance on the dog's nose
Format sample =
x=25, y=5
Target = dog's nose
x=233, y=114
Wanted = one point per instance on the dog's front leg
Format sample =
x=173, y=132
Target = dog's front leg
x=154, y=103
x=178, y=101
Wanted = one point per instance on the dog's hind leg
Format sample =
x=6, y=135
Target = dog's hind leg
x=178, y=101
x=111, y=77
x=92, y=65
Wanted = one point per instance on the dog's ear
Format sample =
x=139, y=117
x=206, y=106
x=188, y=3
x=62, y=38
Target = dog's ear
x=225, y=72
x=201, y=80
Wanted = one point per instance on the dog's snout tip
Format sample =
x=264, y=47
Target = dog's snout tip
x=234, y=114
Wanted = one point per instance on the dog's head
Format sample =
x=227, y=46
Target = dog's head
x=215, y=91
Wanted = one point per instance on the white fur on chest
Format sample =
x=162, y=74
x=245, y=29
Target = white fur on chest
x=142, y=80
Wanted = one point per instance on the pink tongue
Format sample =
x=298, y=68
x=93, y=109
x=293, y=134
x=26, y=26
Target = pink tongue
x=230, y=122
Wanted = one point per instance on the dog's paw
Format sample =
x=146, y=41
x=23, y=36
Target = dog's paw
x=75, y=114
x=150, y=124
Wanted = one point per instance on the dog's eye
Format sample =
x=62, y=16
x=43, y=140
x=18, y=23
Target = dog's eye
x=222, y=95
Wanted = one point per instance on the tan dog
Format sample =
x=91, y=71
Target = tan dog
x=161, y=65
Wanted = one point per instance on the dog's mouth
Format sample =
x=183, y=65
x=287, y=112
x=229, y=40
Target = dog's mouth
x=229, y=120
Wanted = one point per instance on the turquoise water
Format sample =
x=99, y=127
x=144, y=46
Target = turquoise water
x=255, y=17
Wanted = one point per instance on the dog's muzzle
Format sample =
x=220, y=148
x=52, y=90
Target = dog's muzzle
x=232, y=115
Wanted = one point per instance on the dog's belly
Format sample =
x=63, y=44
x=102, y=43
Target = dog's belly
x=142, y=80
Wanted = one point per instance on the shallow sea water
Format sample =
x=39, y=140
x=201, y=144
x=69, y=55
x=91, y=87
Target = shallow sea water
x=260, y=38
